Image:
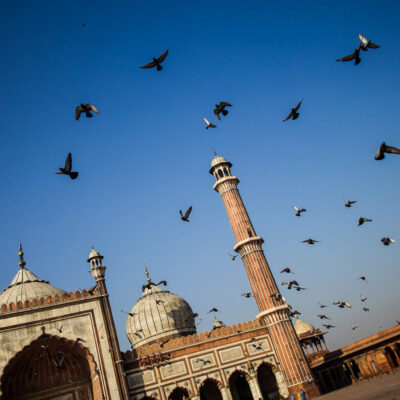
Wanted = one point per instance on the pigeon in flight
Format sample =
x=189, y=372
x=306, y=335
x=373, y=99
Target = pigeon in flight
x=59, y=363
x=348, y=203
x=380, y=154
x=294, y=114
x=233, y=256
x=322, y=316
x=128, y=313
x=77, y=340
x=354, y=327
x=86, y=108
x=156, y=62
x=363, y=298
x=366, y=309
x=298, y=288
x=353, y=56
x=328, y=326
x=287, y=270
x=290, y=284
x=247, y=294
x=220, y=109
x=299, y=211
x=186, y=216
x=278, y=296
x=209, y=124
x=67, y=168
x=310, y=241
x=363, y=278
x=362, y=220
x=322, y=305
x=60, y=328
x=341, y=304
x=387, y=241
x=367, y=44
x=294, y=313
x=213, y=310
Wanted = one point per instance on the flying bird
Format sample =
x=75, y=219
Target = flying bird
x=129, y=313
x=298, y=288
x=363, y=278
x=322, y=316
x=362, y=220
x=278, y=296
x=354, y=327
x=387, y=241
x=290, y=284
x=287, y=271
x=367, y=44
x=328, y=326
x=233, y=256
x=59, y=363
x=163, y=282
x=322, y=305
x=77, y=340
x=310, y=241
x=348, y=203
x=156, y=62
x=294, y=313
x=213, y=310
x=209, y=124
x=67, y=168
x=247, y=294
x=204, y=362
x=366, y=309
x=186, y=216
x=60, y=328
x=294, y=114
x=363, y=298
x=353, y=56
x=86, y=108
x=299, y=211
x=220, y=109
x=341, y=304
x=92, y=289
x=380, y=154
x=193, y=315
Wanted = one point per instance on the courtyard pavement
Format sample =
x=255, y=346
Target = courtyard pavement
x=386, y=387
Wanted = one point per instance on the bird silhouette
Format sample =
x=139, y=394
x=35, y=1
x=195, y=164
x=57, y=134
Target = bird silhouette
x=353, y=56
x=294, y=313
x=353, y=328
x=290, y=284
x=341, y=304
x=387, y=241
x=362, y=220
x=213, y=310
x=209, y=124
x=363, y=278
x=77, y=340
x=294, y=114
x=157, y=62
x=322, y=316
x=299, y=211
x=383, y=148
x=59, y=363
x=278, y=297
x=328, y=326
x=67, y=170
x=233, y=257
x=128, y=313
x=220, y=109
x=86, y=108
x=322, y=305
x=348, y=203
x=247, y=294
x=310, y=241
x=366, y=309
x=287, y=270
x=367, y=44
x=186, y=216
x=363, y=298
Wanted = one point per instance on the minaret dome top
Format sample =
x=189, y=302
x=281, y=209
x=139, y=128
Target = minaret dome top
x=218, y=160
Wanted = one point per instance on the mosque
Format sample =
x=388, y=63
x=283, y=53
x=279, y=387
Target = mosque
x=64, y=346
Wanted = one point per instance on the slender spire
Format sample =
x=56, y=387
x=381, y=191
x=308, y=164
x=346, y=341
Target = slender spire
x=22, y=262
x=147, y=274
x=215, y=153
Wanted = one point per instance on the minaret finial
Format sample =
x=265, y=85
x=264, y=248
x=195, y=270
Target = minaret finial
x=215, y=153
x=22, y=262
x=92, y=246
x=147, y=274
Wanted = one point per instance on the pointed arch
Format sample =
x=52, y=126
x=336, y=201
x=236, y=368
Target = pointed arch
x=210, y=389
x=179, y=393
x=51, y=365
x=239, y=386
x=267, y=381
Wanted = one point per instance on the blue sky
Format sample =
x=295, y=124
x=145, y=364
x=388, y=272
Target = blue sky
x=147, y=154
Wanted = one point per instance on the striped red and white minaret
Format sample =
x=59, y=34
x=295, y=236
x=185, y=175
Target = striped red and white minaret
x=273, y=311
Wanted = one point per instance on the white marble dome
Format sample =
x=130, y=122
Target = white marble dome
x=217, y=160
x=27, y=286
x=157, y=315
x=303, y=327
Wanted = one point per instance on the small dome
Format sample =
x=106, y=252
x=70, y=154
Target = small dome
x=303, y=327
x=158, y=314
x=217, y=160
x=94, y=253
x=27, y=286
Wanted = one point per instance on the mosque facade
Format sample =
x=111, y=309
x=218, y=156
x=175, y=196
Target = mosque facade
x=58, y=345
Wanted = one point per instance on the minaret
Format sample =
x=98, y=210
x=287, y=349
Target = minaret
x=98, y=270
x=272, y=310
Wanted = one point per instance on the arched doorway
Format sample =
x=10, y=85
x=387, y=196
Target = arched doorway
x=51, y=367
x=179, y=393
x=239, y=387
x=267, y=382
x=391, y=357
x=209, y=390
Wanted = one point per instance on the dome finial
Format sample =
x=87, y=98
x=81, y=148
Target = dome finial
x=215, y=153
x=147, y=274
x=22, y=262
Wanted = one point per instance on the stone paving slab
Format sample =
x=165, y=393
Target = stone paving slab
x=386, y=387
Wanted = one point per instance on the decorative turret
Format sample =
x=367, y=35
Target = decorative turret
x=97, y=269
